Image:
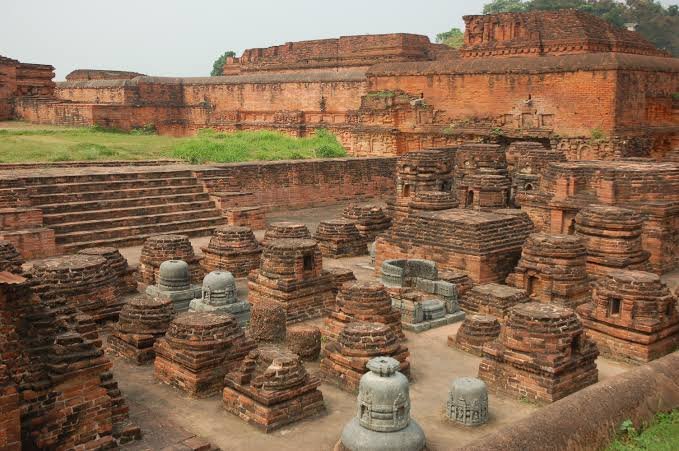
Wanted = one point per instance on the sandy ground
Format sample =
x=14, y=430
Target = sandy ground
x=167, y=417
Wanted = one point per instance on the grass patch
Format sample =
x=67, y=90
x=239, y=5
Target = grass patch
x=26, y=143
x=661, y=435
x=211, y=146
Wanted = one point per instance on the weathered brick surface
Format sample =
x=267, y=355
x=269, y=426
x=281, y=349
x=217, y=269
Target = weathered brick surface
x=142, y=321
x=292, y=275
x=345, y=360
x=632, y=317
x=271, y=388
x=285, y=229
x=474, y=333
x=198, y=350
x=87, y=282
x=365, y=301
x=305, y=341
x=650, y=189
x=268, y=322
x=492, y=299
x=160, y=248
x=612, y=236
x=370, y=220
x=553, y=269
x=233, y=249
x=117, y=264
x=543, y=354
x=339, y=238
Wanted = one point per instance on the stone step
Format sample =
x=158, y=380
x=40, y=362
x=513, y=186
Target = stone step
x=111, y=185
x=109, y=234
x=104, y=176
x=144, y=210
x=131, y=221
x=92, y=205
x=48, y=199
x=135, y=240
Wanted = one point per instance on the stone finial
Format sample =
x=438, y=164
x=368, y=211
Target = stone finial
x=468, y=401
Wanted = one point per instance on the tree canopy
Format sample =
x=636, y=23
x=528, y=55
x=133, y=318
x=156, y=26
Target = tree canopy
x=658, y=24
x=453, y=38
x=218, y=66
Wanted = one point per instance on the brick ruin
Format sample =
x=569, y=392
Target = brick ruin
x=365, y=301
x=474, y=333
x=553, y=269
x=612, y=236
x=285, y=229
x=650, y=189
x=339, y=238
x=271, y=388
x=526, y=162
x=117, y=264
x=291, y=274
x=481, y=176
x=542, y=355
x=345, y=360
x=198, y=350
x=142, y=321
x=57, y=389
x=632, y=316
x=370, y=220
x=232, y=248
x=492, y=299
x=85, y=281
x=161, y=248
x=305, y=341
x=10, y=260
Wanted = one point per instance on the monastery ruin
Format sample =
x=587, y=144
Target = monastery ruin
x=502, y=242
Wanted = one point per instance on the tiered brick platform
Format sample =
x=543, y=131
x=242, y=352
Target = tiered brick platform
x=198, y=350
x=553, y=269
x=484, y=245
x=492, y=299
x=542, y=355
x=370, y=220
x=527, y=161
x=339, y=238
x=612, y=237
x=365, y=301
x=160, y=248
x=142, y=321
x=118, y=264
x=121, y=207
x=234, y=249
x=87, y=282
x=434, y=200
x=21, y=223
x=474, y=333
x=284, y=229
x=291, y=274
x=632, y=317
x=345, y=360
x=10, y=260
x=481, y=177
x=272, y=389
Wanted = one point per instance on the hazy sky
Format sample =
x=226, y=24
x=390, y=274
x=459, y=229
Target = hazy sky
x=184, y=37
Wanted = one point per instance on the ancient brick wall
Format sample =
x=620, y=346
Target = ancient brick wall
x=97, y=74
x=299, y=184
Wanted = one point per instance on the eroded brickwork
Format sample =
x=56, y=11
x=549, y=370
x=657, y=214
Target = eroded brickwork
x=233, y=249
x=161, y=248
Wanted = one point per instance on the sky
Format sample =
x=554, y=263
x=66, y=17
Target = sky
x=184, y=37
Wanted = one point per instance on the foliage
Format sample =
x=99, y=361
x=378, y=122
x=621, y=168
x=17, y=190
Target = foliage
x=597, y=135
x=148, y=129
x=655, y=22
x=211, y=146
x=218, y=65
x=453, y=38
x=22, y=143
x=661, y=435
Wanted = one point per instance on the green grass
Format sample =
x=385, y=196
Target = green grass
x=25, y=143
x=661, y=435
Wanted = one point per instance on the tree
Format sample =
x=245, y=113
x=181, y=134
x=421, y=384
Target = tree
x=453, y=38
x=218, y=66
x=655, y=22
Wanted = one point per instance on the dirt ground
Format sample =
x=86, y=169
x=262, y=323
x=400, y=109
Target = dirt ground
x=167, y=417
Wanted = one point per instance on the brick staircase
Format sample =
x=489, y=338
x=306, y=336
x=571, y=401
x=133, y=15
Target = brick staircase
x=122, y=209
